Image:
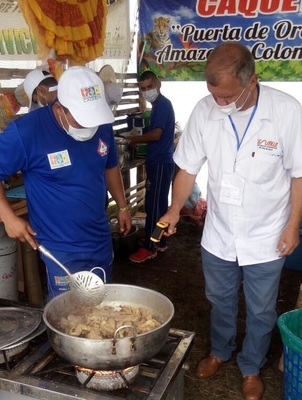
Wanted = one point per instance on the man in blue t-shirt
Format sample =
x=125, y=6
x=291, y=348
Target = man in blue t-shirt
x=159, y=162
x=66, y=153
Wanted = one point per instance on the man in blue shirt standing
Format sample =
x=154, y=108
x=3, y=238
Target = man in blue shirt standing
x=66, y=153
x=159, y=162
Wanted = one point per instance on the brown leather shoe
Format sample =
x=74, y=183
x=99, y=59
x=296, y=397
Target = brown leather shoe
x=208, y=366
x=252, y=387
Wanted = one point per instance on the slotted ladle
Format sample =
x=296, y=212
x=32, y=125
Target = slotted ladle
x=87, y=288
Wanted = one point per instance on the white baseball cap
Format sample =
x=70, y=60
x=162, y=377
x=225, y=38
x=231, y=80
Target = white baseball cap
x=82, y=92
x=31, y=81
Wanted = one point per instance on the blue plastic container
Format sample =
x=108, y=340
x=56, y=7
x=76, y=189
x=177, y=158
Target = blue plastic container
x=290, y=326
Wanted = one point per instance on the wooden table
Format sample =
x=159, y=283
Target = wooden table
x=135, y=194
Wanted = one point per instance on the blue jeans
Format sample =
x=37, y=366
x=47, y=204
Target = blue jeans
x=260, y=286
x=58, y=282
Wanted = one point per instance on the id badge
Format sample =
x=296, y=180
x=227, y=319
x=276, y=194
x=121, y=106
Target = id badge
x=231, y=191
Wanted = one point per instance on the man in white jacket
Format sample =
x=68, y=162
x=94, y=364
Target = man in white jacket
x=251, y=137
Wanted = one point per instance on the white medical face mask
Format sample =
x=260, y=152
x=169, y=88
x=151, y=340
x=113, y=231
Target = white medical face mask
x=150, y=95
x=79, y=134
x=231, y=108
x=40, y=104
x=82, y=134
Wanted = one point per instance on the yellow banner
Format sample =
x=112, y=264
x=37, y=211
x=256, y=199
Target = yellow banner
x=16, y=40
x=18, y=43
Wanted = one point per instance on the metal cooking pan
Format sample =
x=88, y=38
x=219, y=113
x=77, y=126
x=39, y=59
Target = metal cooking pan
x=116, y=353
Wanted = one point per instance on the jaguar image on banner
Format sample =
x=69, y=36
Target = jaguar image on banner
x=176, y=36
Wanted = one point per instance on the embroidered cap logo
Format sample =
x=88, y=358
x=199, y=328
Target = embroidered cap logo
x=91, y=93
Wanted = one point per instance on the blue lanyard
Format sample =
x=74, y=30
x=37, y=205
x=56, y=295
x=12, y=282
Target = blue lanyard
x=247, y=127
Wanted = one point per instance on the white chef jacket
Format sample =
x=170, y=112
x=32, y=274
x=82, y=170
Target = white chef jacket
x=268, y=157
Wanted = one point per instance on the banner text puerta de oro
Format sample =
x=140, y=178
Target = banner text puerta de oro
x=176, y=36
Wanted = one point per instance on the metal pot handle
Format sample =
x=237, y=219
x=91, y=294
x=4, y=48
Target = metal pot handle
x=104, y=273
x=115, y=338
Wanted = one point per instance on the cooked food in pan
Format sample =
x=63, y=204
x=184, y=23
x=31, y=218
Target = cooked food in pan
x=102, y=322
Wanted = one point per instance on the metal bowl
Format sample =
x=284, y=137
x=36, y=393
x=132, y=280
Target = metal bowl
x=124, y=146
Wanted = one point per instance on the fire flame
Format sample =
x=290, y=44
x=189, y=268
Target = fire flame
x=104, y=373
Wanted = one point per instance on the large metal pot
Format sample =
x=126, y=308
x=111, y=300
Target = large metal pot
x=124, y=145
x=110, y=354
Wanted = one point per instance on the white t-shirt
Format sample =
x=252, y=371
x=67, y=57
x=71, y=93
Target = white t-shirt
x=268, y=157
